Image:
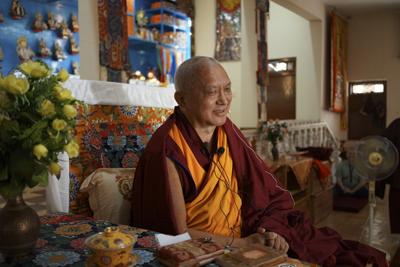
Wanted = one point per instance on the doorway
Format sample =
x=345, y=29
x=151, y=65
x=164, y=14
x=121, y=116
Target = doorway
x=281, y=92
x=366, y=108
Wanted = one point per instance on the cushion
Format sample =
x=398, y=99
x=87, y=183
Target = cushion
x=109, y=191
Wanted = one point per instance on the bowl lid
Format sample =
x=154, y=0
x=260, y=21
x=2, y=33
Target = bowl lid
x=112, y=238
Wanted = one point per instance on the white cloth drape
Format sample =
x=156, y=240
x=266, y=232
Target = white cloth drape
x=102, y=93
x=57, y=190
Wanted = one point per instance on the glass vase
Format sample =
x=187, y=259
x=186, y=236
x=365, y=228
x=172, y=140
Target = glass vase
x=19, y=228
x=274, y=152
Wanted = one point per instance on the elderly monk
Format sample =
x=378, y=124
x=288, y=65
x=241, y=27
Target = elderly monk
x=199, y=175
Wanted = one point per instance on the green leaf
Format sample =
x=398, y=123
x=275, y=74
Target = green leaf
x=37, y=127
x=40, y=178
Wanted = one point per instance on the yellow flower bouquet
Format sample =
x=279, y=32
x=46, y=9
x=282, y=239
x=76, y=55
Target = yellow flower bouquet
x=37, y=121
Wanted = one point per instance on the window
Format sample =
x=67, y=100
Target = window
x=366, y=87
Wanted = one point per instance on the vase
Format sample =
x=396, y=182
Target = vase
x=19, y=228
x=274, y=152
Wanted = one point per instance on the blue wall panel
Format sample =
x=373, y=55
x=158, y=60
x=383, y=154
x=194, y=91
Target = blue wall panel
x=11, y=30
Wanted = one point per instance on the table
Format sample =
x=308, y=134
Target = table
x=62, y=236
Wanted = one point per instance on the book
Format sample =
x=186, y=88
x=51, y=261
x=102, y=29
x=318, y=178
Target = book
x=195, y=252
x=256, y=255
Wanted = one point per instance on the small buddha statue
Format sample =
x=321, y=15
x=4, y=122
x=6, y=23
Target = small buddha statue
x=74, y=49
x=38, y=24
x=74, y=24
x=64, y=31
x=151, y=79
x=51, y=21
x=58, y=51
x=44, y=51
x=1, y=17
x=17, y=11
x=23, y=51
x=135, y=76
x=75, y=68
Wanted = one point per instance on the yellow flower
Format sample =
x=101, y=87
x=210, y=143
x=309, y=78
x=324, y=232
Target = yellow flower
x=47, y=108
x=63, y=75
x=59, y=125
x=35, y=69
x=72, y=149
x=14, y=85
x=40, y=151
x=55, y=169
x=69, y=111
x=62, y=94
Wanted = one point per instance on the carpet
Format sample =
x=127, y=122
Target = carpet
x=348, y=203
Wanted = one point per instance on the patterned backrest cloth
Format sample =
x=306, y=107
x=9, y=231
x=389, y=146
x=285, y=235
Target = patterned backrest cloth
x=110, y=137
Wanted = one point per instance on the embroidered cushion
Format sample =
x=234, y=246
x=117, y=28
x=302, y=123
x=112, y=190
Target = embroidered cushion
x=109, y=192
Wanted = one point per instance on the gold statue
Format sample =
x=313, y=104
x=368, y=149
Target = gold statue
x=75, y=68
x=74, y=24
x=51, y=21
x=38, y=24
x=64, y=31
x=23, y=51
x=74, y=49
x=17, y=11
x=58, y=53
x=44, y=51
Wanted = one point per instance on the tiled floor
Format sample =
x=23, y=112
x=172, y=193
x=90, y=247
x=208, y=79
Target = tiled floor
x=352, y=226
x=355, y=226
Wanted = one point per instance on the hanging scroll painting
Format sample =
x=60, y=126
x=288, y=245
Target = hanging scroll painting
x=338, y=64
x=228, y=41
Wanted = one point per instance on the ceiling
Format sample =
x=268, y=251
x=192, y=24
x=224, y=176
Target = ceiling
x=354, y=7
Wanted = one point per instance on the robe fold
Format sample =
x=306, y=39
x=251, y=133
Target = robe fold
x=264, y=202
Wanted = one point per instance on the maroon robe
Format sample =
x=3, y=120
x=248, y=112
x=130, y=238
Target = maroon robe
x=265, y=203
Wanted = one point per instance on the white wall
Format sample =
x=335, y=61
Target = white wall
x=89, y=39
x=315, y=12
x=242, y=73
x=289, y=35
x=374, y=53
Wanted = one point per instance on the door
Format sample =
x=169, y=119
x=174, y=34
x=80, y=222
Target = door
x=281, y=92
x=366, y=108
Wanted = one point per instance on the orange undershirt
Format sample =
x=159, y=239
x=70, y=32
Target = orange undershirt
x=216, y=209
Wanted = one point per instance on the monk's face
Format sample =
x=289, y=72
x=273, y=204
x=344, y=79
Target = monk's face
x=208, y=100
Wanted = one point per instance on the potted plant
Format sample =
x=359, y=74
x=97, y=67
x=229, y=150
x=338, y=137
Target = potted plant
x=274, y=131
x=37, y=120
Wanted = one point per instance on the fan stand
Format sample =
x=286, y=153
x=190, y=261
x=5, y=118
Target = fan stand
x=372, y=205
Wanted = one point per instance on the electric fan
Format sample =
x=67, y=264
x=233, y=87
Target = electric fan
x=375, y=158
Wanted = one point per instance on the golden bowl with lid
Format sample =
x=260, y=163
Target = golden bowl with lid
x=111, y=248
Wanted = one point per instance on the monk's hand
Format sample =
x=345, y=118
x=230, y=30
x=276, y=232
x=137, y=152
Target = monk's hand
x=274, y=240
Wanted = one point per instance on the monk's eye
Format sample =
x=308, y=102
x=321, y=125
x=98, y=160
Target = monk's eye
x=211, y=92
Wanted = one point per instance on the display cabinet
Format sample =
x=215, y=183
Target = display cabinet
x=39, y=29
x=159, y=37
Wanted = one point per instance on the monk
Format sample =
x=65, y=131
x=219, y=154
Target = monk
x=198, y=174
x=392, y=132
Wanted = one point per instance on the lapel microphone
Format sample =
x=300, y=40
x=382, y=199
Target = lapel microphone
x=220, y=151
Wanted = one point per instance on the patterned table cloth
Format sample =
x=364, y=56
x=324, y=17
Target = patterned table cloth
x=61, y=242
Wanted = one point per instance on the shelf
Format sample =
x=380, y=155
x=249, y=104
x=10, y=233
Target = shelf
x=167, y=27
x=148, y=44
x=162, y=10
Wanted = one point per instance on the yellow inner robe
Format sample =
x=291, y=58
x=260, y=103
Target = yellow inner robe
x=216, y=209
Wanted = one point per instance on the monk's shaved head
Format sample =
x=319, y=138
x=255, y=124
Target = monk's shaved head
x=191, y=72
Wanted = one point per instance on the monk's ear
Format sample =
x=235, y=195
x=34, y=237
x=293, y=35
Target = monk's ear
x=179, y=98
